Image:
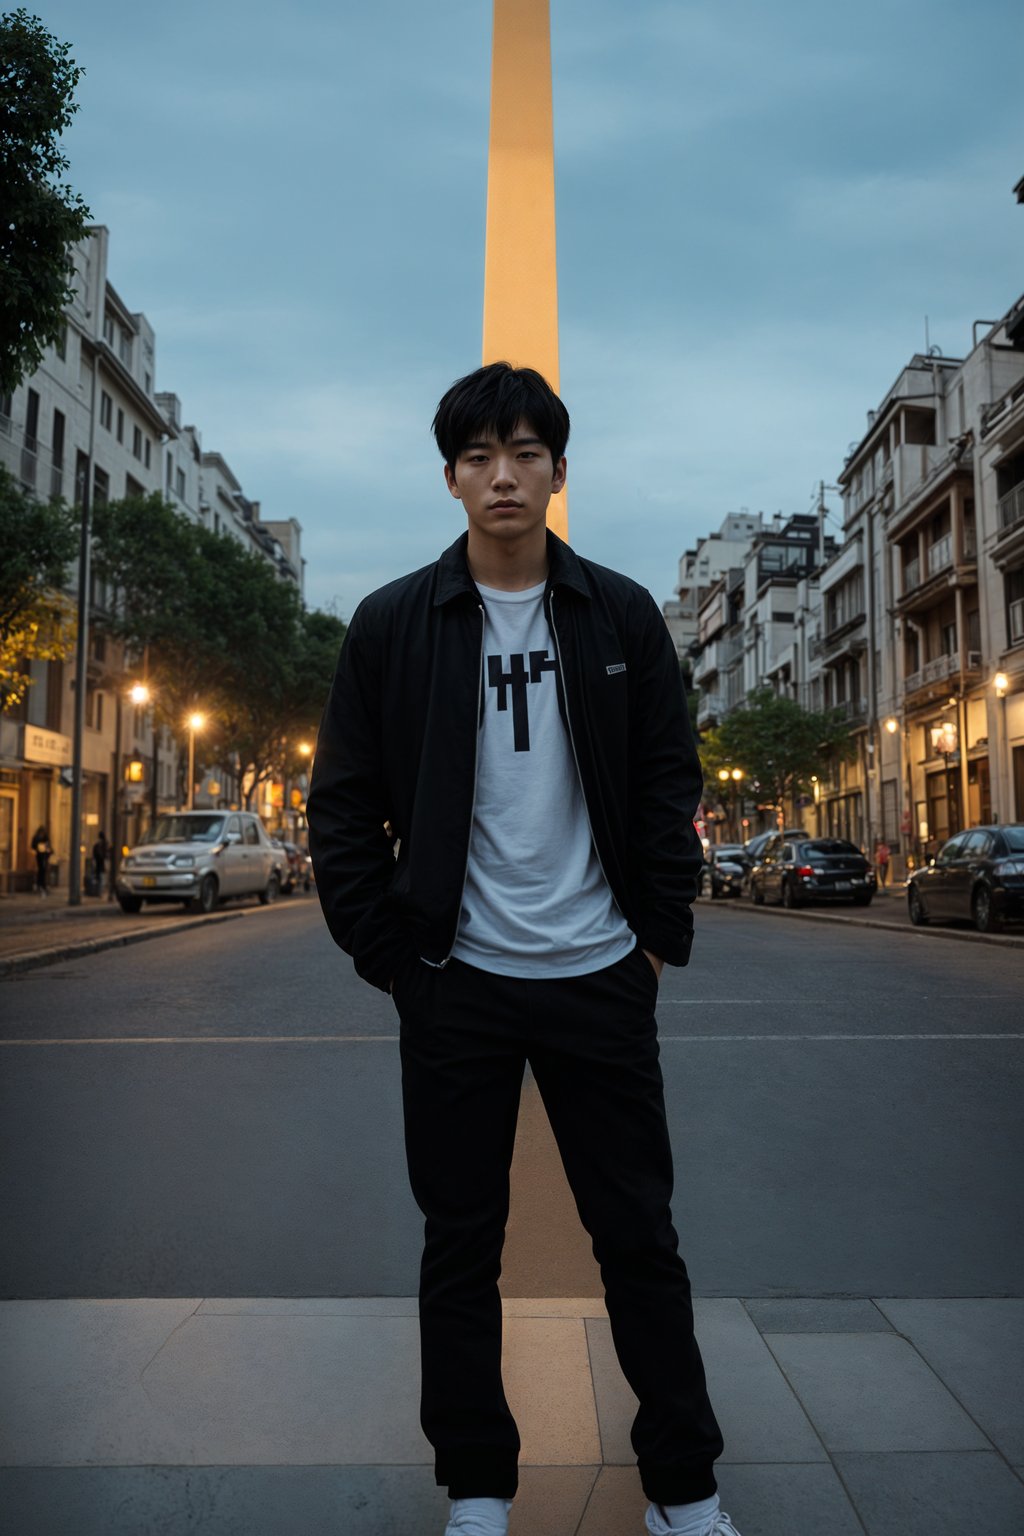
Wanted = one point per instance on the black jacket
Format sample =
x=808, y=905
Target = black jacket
x=398, y=744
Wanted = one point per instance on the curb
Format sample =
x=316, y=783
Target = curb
x=31, y=959
x=962, y=935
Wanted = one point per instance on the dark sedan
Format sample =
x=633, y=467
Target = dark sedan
x=978, y=875
x=726, y=867
x=796, y=871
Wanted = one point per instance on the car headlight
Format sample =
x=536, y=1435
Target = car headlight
x=183, y=861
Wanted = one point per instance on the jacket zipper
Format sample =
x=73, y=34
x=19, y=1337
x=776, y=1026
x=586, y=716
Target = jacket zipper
x=440, y=964
x=572, y=742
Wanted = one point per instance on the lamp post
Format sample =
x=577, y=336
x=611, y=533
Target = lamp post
x=138, y=694
x=945, y=740
x=732, y=778
x=196, y=721
x=1001, y=684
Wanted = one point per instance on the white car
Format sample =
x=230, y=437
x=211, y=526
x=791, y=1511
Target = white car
x=200, y=858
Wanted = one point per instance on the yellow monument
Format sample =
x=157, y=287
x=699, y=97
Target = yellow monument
x=520, y=279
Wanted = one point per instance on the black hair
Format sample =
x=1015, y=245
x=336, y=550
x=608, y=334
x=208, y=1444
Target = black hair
x=494, y=399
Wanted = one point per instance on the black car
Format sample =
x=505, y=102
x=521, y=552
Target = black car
x=798, y=870
x=755, y=846
x=977, y=875
x=726, y=867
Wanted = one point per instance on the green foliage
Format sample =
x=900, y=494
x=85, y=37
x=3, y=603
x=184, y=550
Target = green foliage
x=216, y=631
x=38, y=540
x=42, y=216
x=779, y=745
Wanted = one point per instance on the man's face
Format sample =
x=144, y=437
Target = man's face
x=505, y=487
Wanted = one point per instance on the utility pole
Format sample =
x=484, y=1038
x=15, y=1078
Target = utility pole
x=82, y=657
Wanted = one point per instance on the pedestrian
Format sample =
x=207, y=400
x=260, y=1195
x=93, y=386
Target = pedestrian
x=516, y=714
x=100, y=853
x=43, y=849
x=882, y=854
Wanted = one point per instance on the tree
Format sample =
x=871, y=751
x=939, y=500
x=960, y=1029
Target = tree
x=219, y=632
x=42, y=216
x=781, y=746
x=37, y=619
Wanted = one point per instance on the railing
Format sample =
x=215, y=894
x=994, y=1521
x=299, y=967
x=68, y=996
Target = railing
x=934, y=671
x=848, y=640
x=912, y=574
x=1011, y=507
x=852, y=709
x=711, y=706
x=940, y=554
x=29, y=461
x=1017, y=620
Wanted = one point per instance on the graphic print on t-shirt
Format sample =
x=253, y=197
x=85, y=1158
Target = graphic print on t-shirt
x=517, y=680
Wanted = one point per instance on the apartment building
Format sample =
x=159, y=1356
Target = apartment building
x=756, y=623
x=91, y=410
x=921, y=635
x=700, y=568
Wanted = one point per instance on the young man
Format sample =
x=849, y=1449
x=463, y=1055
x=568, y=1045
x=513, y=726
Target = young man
x=516, y=715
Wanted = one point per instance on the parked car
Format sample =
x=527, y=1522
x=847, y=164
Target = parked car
x=798, y=870
x=978, y=875
x=755, y=846
x=200, y=858
x=725, y=871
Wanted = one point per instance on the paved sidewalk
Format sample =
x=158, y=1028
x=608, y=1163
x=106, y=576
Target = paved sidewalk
x=236, y=1417
x=38, y=930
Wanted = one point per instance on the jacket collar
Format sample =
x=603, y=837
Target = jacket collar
x=453, y=578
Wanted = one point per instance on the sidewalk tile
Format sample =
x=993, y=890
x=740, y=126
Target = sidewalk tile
x=872, y=1392
x=289, y=1389
x=760, y=1417
x=546, y=1371
x=221, y=1501
x=311, y=1306
x=977, y=1347
x=762, y=1500
x=946, y=1493
x=71, y=1373
x=816, y=1314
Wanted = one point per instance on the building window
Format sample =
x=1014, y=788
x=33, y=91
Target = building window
x=100, y=486
x=948, y=637
x=60, y=346
x=137, y=442
x=1013, y=583
x=120, y=425
x=125, y=349
x=180, y=484
x=57, y=456
x=108, y=328
x=149, y=448
x=6, y=403
x=149, y=383
x=170, y=470
x=106, y=410
x=94, y=709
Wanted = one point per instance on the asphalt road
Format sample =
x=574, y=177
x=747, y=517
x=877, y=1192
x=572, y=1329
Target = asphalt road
x=218, y=1113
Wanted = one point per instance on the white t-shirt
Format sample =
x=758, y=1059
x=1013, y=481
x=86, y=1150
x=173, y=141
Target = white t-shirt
x=536, y=902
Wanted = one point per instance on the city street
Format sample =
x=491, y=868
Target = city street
x=216, y=1114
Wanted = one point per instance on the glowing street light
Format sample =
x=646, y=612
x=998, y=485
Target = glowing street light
x=892, y=725
x=196, y=722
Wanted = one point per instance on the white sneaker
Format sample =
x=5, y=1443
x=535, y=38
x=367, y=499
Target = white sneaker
x=658, y=1525
x=479, y=1517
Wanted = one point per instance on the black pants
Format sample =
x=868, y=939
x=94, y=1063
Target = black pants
x=592, y=1045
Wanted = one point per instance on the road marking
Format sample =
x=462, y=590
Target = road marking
x=390, y=1039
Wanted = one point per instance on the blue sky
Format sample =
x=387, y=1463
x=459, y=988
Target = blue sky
x=757, y=206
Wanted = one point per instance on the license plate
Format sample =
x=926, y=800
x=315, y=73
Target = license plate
x=149, y=880
x=844, y=885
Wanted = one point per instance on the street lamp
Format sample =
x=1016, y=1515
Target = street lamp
x=138, y=694
x=196, y=722
x=892, y=725
x=945, y=740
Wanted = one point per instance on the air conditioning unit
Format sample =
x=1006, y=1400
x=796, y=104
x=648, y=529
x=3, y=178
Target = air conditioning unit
x=974, y=661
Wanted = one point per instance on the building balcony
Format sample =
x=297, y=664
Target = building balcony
x=939, y=670
x=846, y=639
x=924, y=583
x=710, y=709
x=853, y=711
x=1011, y=508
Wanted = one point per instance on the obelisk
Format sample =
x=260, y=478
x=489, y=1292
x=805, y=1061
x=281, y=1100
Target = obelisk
x=520, y=278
